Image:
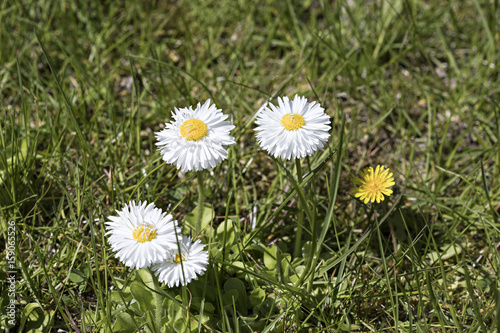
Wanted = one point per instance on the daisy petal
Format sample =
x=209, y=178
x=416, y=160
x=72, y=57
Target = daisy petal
x=293, y=129
x=194, y=140
x=183, y=264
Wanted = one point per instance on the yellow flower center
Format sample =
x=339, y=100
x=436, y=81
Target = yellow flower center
x=292, y=121
x=193, y=129
x=145, y=233
x=374, y=186
x=178, y=259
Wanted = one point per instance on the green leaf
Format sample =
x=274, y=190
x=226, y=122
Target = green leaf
x=207, y=216
x=79, y=275
x=225, y=233
x=146, y=277
x=75, y=278
x=229, y=297
x=120, y=297
x=174, y=309
x=239, y=286
x=349, y=328
x=125, y=323
x=306, y=250
x=207, y=306
x=143, y=296
x=257, y=297
x=236, y=269
x=34, y=318
x=285, y=264
x=448, y=251
x=181, y=325
x=270, y=256
x=26, y=312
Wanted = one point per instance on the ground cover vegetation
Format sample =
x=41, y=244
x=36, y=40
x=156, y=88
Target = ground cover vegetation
x=410, y=85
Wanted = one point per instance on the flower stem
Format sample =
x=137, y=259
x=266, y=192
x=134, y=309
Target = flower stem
x=313, y=257
x=185, y=303
x=298, y=237
x=200, y=202
x=158, y=303
x=303, y=206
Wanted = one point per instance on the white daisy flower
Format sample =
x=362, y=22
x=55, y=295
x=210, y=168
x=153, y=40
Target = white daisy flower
x=194, y=261
x=194, y=140
x=141, y=234
x=294, y=129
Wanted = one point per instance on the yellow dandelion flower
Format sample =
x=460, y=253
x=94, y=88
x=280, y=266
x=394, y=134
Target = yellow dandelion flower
x=373, y=185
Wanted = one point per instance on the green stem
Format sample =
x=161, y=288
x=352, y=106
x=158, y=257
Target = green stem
x=300, y=220
x=185, y=302
x=314, y=255
x=158, y=303
x=200, y=202
x=303, y=206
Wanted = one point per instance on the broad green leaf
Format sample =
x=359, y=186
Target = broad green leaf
x=236, y=269
x=270, y=256
x=207, y=306
x=120, y=297
x=174, y=310
x=125, y=323
x=257, y=297
x=75, y=278
x=181, y=325
x=79, y=275
x=225, y=233
x=146, y=277
x=31, y=317
x=229, y=297
x=239, y=286
x=447, y=252
x=143, y=296
x=285, y=264
x=207, y=216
